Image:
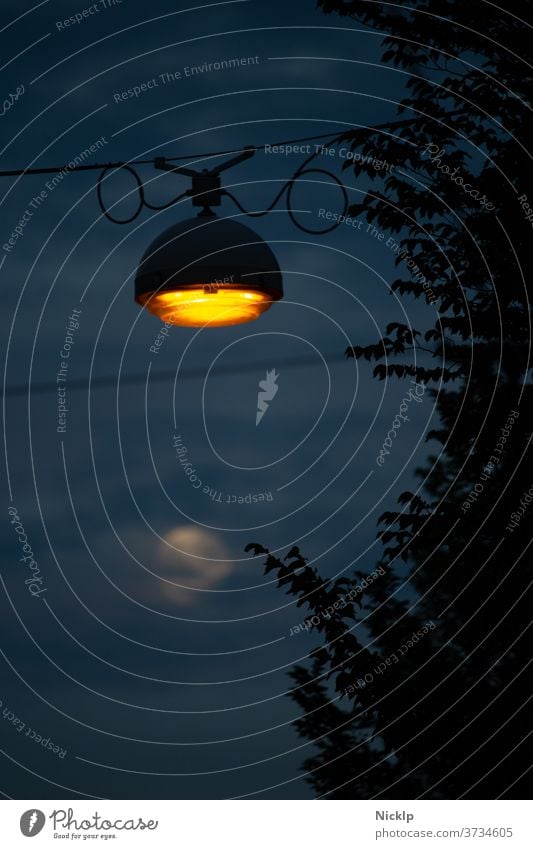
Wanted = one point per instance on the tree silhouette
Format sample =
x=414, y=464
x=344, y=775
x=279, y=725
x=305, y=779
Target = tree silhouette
x=420, y=685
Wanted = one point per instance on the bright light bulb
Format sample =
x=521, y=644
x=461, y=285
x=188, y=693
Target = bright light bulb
x=200, y=306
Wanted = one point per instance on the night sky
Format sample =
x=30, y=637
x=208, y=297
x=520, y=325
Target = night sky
x=152, y=652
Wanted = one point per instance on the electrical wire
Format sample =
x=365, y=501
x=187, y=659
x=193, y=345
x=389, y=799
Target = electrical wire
x=142, y=202
x=23, y=172
x=23, y=389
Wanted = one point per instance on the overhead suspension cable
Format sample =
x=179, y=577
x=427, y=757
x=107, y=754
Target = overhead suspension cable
x=23, y=172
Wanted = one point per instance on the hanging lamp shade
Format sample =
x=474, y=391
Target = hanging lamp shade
x=208, y=271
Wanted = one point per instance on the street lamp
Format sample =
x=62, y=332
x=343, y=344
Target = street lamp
x=207, y=270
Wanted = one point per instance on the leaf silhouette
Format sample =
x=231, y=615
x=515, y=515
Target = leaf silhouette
x=256, y=548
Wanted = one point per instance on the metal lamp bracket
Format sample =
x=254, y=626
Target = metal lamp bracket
x=206, y=190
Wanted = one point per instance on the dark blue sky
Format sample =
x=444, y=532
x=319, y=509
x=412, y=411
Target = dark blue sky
x=159, y=649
